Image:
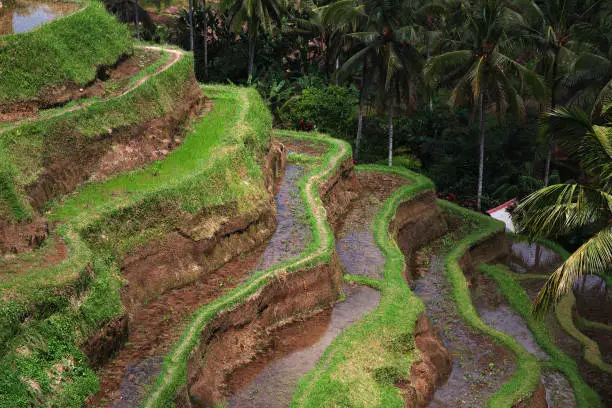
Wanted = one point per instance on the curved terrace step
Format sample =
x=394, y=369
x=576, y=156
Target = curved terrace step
x=90, y=279
x=172, y=384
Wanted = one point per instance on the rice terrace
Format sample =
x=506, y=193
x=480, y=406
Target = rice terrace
x=330, y=203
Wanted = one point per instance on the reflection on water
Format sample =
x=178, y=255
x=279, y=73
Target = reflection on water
x=270, y=381
x=26, y=16
x=525, y=257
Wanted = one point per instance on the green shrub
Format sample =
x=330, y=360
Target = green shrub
x=330, y=109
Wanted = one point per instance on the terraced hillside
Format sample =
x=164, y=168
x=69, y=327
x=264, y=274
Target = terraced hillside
x=162, y=246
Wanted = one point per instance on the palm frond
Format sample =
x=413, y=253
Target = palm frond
x=560, y=209
x=440, y=64
x=593, y=257
x=366, y=37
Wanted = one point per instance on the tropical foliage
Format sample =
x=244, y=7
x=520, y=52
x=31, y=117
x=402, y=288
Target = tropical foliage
x=460, y=87
x=560, y=209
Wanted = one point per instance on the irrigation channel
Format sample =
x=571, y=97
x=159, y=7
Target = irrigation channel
x=588, y=292
x=158, y=324
x=495, y=311
x=480, y=366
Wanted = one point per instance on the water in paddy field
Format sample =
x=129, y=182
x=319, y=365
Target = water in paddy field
x=25, y=16
x=270, y=381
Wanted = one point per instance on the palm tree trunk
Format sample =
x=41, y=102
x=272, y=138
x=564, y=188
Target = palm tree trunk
x=481, y=160
x=205, y=40
x=251, y=52
x=191, y=47
x=362, y=92
x=137, y=20
x=428, y=57
x=391, y=132
x=552, y=108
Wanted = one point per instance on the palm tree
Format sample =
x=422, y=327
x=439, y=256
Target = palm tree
x=591, y=81
x=482, y=73
x=191, y=28
x=341, y=17
x=563, y=208
x=550, y=27
x=256, y=15
x=385, y=50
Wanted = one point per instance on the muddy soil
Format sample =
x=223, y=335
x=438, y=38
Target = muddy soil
x=305, y=146
x=480, y=366
x=18, y=237
x=110, y=82
x=356, y=244
x=270, y=381
x=53, y=252
x=157, y=325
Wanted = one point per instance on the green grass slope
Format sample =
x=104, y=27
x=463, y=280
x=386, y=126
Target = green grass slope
x=68, y=49
x=45, y=314
x=24, y=148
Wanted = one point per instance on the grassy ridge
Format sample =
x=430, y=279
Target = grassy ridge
x=362, y=365
x=527, y=378
x=23, y=149
x=68, y=49
x=69, y=301
x=318, y=252
x=520, y=302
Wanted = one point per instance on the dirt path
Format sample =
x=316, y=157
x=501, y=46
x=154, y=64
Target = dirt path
x=175, y=56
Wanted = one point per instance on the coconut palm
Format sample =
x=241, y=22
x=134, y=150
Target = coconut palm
x=551, y=27
x=590, y=82
x=385, y=49
x=256, y=15
x=481, y=73
x=563, y=208
x=341, y=17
